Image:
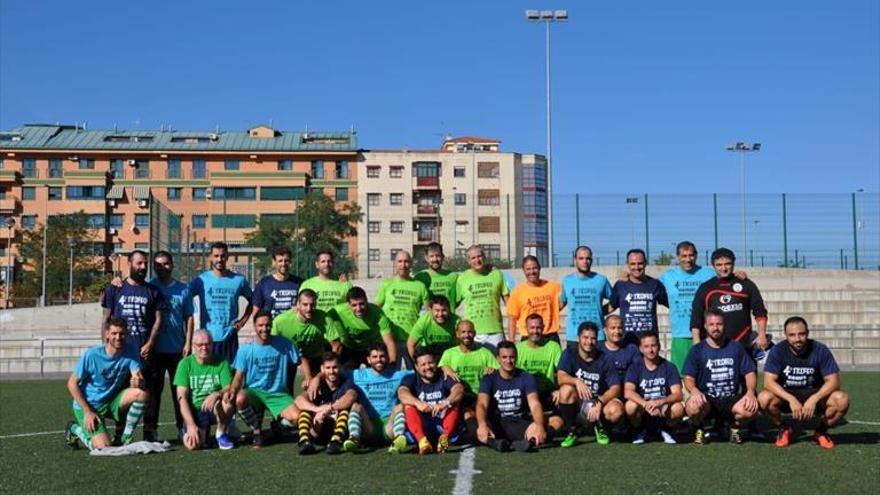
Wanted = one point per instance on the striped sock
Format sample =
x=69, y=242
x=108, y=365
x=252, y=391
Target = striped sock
x=250, y=417
x=354, y=425
x=303, y=423
x=398, y=427
x=81, y=434
x=340, y=427
x=135, y=411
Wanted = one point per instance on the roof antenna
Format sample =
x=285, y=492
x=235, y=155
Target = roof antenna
x=115, y=128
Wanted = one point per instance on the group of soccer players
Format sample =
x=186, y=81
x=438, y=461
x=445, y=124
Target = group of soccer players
x=406, y=369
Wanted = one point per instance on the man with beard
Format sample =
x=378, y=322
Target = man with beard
x=539, y=355
x=584, y=292
x=358, y=325
x=330, y=291
x=535, y=296
x=438, y=281
x=435, y=329
x=276, y=292
x=305, y=326
x=430, y=403
x=467, y=363
x=324, y=418
x=621, y=353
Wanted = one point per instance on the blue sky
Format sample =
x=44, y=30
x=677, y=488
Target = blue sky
x=646, y=93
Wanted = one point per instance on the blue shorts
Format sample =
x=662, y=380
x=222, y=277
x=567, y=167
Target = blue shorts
x=227, y=349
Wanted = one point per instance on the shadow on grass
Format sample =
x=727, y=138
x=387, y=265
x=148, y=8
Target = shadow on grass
x=864, y=438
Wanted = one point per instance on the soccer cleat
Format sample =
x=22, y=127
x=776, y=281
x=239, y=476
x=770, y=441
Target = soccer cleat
x=601, y=436
x=306, y=448
x=523, y=445
x=736, y=436
x=224, y=442
x=783, y=438
x=700, y=437
x=425, y=447
x=350, y=445
x=442, y=444
x=151, y=436
x=70, y=439
x=640, y=437
x=257, y=441
x=334, y=448
x=397, y=445
x=667, y=437
x=499, y=445
x=569, y=441
x=823, y=440
x=276, y=427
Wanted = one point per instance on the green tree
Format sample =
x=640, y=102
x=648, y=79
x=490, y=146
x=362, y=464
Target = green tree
x=665, y=259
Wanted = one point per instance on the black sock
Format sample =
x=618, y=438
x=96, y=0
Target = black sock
x=569, y=416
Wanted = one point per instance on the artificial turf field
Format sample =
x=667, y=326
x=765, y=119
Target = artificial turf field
x=39, y=463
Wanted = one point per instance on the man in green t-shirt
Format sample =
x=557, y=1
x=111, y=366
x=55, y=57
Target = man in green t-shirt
x=305, y=326
x=358, y=325
x=480, y=289
x=539, y=355
x=437, y=280
x=202, y=380
x=467, y=363
x=435, y=330
x=330, y=291
x=401, y=299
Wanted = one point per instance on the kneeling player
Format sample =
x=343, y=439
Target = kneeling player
x=325, y=418
x=801, y=377
x=589, y=387
x=652, y=391
x=202, y=380
x=98, y=386
x=430, y=403
x=539, y=355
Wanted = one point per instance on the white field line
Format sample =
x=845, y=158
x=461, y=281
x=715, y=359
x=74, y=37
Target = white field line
x=464, y=475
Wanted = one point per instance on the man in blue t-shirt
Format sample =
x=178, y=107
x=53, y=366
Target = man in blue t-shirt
x=262, y=373
x=324, y=417
x=138, y=303
x=584, y=292
x=637, y=296
x=277, y=292
x=653, y=391
x=801, y=377
x=720, y=376
x=218, y=291
x=430, y=403
x=509, y=412
x=589, y=387
x=615, y=348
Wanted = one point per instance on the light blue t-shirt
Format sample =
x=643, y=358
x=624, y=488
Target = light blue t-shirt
x=218, y=301
x=101, y=376
x=178, y=307
x=265, y=365
x=584, y=297
x=681, y=286
x=377, y=392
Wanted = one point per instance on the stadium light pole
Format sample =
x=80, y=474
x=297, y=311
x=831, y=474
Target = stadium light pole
x=742, y=149
x=548, y=17
x=43, y=264
x=10, y=224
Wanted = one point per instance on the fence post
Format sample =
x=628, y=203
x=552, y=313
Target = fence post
x=841, y=259
x=577, y=217
x=855, y=234
x=42, y=356
x=784, y=233
x=647, y=239
x=852, y=347
x=715, y=216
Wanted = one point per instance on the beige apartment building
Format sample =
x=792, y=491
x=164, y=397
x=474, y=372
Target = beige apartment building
x=467, y=192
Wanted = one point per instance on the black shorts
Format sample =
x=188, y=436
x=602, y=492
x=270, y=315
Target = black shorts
x=722, y=408
x=547, y=404
x=510, y=429
x=802, y=395
x=468, y=402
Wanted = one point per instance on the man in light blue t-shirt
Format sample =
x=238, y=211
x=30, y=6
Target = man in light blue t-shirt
x=218, y=290
x=584, y=293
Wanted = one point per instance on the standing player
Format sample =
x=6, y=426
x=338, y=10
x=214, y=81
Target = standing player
x=621, y=353
x=357, y=326
x=637, y=297
x=277, y=291
x=584, y=292
x=430, y=403
x=105, y=384
x=539, y=355
x=218, y=290
x=480, y=288
x=438, y=281
x=202, y=381
x=401, y=299
x=589, y=388
x=715, y=372
x=652, y=391
x=325, y=418
x=305, y=326
x=535, y=296
x=467, y=363
x=262, y=373
x=435, y=329
x=801, y=377
x=330, y=291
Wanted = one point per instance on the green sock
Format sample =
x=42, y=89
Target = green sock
x=398, y=426
x=81, y=434
x=135, y=411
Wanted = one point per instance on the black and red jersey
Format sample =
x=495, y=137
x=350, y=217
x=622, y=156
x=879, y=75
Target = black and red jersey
x=736, y=299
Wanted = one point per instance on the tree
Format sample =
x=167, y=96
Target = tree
x=665, y=259
x=318, y=223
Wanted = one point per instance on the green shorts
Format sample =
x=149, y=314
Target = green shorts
x=110, y=410
x=274, y=402
x=678, y=351
x=377, y=426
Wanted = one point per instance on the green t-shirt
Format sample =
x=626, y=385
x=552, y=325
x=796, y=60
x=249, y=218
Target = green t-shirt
x=441, y=283
x=541, y=361
x=427, y=333
x=357, y=333
x=401, y=300
x=330, y=292
x=480, y=293
x=202, y=379
x=469, y=366
x=307, y=336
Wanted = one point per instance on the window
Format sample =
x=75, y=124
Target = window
x=393, y=253
x=374, y=199
x=342, y=169
x=461, y=226
x=143, y=245
x=534, y=176
x=282, y=193
x=56, y=168
x=199, y=193
x=173, y=169
x=29, y=168
x=198, y=169
x=285, y=165
x=174, y=194
x=86, y=164
x=86, y=192
x=488, y=170
x=373, y=172
x=341, y=194
x=395, y=199
x=396, y=172
x=142, y=169
x=56, y=194
x=426, y=169
x=28, y=221
x=235, y=193
x=488, y=197
x=142, y=220
x=317, y=169
x=199, y=221
x=117, y=168
x=278, y=218
x=234, y=221
x=373, y=227
x=460, y=199
x=28, y=193
x=397, y=227
x=231, y=165
x=95, y=221
x=458, y=172
x=374, y=255
x=489, y=225
x=492, y=251
x=117, y=220
x=535, y=203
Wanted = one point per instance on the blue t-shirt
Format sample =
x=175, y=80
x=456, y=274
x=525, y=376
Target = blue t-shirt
x=622, y=359
x=101, y=376
x=584, y=297
x=274, y=296
x=137, y=305
x=654, y=384
x=509, y=398
x=265, y=365
x=218, y=301
x=719, y=373
x=327, y=396
x=681, y=287
x=801, y=372
x=177, y=308
x=431, y=393
x=638, y=303
x=378, y=392
x=599, y=374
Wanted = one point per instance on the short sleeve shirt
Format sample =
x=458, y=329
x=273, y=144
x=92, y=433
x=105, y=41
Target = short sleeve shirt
x=656, y=383
x=638, y=303
x=540, y=361
x=469, y=366
x=137, y=305
x=358, y=333
x=719, y=373
x=276, y=296
x=481, y=294
x=177, y=309
x=584, y=297
x=599, y=374
x=330, y=292
x=401, y=301
x=218, y=301
x=101, y=376
x=202, y=379
x=265, y=365
x=543, y=300
x=804, y=372
x=432, y=392
x=509, y=398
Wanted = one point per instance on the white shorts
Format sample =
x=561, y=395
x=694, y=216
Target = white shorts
x=490, y=340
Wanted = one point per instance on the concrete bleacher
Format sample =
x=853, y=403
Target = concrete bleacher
x=842, y=307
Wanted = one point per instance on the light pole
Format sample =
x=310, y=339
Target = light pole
x=860, y=225
x=10, y=223
x=45, y=243
x=70, y=244
x=548, y=17
x=742, y=149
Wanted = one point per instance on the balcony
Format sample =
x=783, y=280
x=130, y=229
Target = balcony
x=429, y=210
x=425, y=236
x=7, y=176
x=428, y=182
